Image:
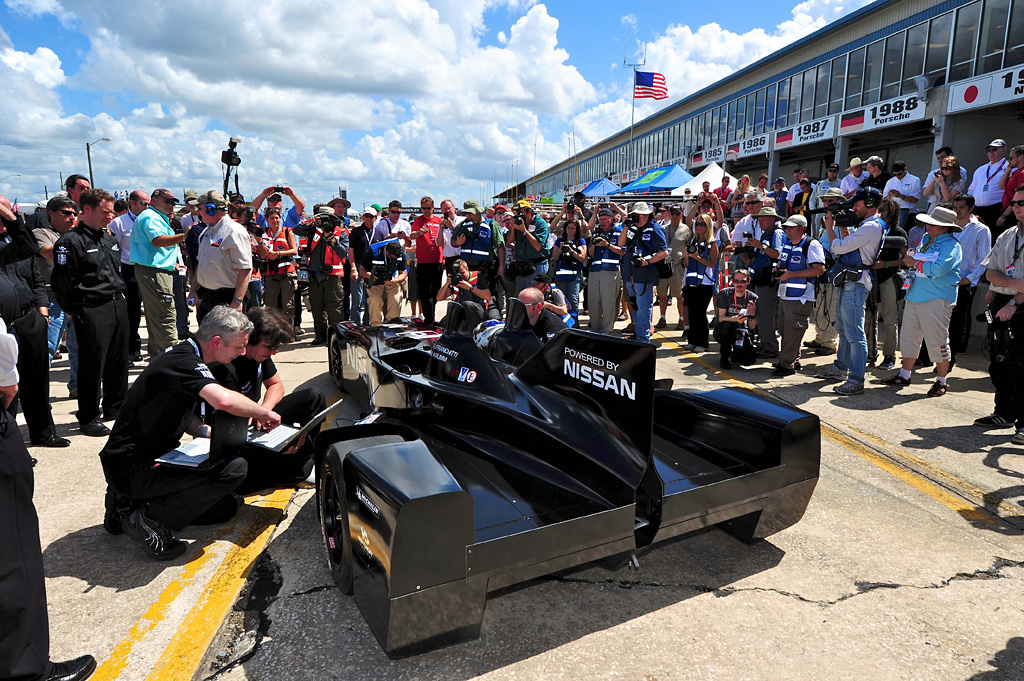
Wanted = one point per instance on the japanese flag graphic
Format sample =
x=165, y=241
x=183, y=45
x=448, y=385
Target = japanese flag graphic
x=970, y=94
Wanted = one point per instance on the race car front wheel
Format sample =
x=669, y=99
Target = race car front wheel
x=335, y=359
x=330, y=493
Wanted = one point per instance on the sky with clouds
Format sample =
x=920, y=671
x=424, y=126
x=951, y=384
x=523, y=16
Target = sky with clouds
x=390, y=99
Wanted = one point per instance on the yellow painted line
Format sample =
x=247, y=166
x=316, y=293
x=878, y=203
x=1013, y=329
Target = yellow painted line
x=183, y=656
x=965, y=509
x=331, y=415
x=118, y=660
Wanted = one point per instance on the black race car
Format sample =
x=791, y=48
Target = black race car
x=487, y=459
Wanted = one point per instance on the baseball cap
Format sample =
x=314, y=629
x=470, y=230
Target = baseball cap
x=376, y=207
x=215, y=197
x=833, y=166
x=163, y=193
x=501, y=206
x=542, y=278
x=370, y=210
x=780, y=179
x=191, y=197
x=796, y=221
x=523, y=203
x=996, y=143
x=605, y=212
x=869, y=195
x=276, y=196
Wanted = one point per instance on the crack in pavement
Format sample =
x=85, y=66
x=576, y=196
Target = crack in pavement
x=995, y=571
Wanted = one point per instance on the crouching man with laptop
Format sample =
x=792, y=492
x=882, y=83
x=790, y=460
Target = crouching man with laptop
x=284, y=455
x=147, y=499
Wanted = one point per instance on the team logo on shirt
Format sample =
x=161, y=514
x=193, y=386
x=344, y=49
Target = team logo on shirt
x=61, y=255
x=205, y=371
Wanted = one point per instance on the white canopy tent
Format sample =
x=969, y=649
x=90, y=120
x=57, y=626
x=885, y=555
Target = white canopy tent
x=712, y=173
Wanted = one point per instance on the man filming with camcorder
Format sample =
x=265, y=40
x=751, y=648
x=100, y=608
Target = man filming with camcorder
x=327, y=242
x=383, y=269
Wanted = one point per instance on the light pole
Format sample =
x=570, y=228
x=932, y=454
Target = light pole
x=88, y=153
x=6, y=176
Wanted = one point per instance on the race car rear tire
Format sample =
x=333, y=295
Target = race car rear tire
x=333, y=510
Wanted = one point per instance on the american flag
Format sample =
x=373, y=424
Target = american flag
x=649, y=85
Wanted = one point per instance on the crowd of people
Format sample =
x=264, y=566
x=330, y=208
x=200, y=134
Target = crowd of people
x=852, y=258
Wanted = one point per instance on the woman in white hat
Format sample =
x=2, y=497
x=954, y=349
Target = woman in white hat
x=931, y=294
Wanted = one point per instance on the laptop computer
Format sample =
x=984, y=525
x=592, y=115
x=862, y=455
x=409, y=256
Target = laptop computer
x=283, y=437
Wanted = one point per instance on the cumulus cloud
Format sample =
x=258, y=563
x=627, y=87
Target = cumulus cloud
x=391, y=100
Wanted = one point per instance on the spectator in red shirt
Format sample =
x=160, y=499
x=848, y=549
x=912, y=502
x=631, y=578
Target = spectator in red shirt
x=1010, y=182
x=723, y=192
x=428, y=255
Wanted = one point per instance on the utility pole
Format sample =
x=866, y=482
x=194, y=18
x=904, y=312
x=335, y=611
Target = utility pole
x=88, y=153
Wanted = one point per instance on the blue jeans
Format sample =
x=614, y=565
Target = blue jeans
x=904, y=215
x=255, y=298
x=853, y=344
x=54, y=330
x=358, y=300
x=523, y=282
x=571, y=289
x=644, y=306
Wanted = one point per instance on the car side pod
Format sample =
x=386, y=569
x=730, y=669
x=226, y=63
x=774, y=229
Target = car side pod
x=410, y=522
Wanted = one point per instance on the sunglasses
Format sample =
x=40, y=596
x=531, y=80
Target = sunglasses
x=739, y=281
x=395, y=212
x=68, y=212
x=1017, y=204
x=751, y=203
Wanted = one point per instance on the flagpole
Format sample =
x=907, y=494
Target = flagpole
x=632, y=115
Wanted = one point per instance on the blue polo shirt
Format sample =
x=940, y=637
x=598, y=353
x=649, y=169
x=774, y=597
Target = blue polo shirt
x=149, y=225
x=291, y=219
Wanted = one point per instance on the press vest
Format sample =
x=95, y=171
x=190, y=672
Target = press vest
x=697, y=272
x=279, y=243
x=478, y=249
x=605, y=259
x=794, y=258
x=331, y=259
x=569, y=268
x=852, y=258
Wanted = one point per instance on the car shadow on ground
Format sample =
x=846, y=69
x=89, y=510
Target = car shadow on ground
x=520, y=621
x=119, y=562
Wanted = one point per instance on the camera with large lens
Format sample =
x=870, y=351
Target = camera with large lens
x=469, y=229
x=637, y=260
x=843, y=215
x=454, y=280
x=517, y=218
x=694, y=247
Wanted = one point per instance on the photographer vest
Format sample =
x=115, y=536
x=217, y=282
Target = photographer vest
x=794, y=258
x=697, y=272
x=331, y=259
x=605, y=259
x=477, y=247
x=279, y=243
x=569, y=268
x=852, y=259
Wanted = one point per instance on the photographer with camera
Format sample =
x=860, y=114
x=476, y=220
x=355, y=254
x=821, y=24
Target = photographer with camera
x=700, y=255
x=801, y=261
x=327, y=242
x=762, y=246
x=530, y=234
x=466, y=286
x=856, y=253
x=604, y=283
x=736, y=308
x=644, y=245
x=281, y=279
x=272, y=195
x=384, y=269
x=569, y=256
x=1005, y=301
x=482, y=244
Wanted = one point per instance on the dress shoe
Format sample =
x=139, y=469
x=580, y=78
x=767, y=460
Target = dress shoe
x=95, y=428
x=72, y=394
x=77, y=669
x=135, y=356
x=725, y=363
x=822, y=351
x=51, y=441
x=319, y=340
x=782, y=371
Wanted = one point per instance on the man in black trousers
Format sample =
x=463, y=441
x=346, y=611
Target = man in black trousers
x=87, y=282
x=25, y=634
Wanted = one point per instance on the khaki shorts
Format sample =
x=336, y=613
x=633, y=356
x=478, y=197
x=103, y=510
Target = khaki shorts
x=673, y=286
x=927, y=322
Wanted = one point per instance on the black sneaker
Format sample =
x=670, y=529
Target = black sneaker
x=994, y=421
x=156, y=539
x=135, y=356
x=725, y=363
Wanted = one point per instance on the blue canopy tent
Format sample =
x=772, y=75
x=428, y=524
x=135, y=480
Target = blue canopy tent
x=602, y=187
x=658, y=180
